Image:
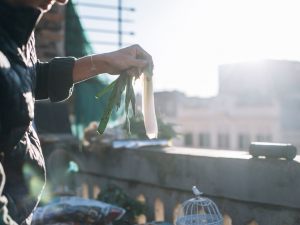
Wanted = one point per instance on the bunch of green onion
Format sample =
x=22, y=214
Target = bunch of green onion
x=125, y=81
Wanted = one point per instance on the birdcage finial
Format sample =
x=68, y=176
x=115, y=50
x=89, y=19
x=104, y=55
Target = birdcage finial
x=196, y=191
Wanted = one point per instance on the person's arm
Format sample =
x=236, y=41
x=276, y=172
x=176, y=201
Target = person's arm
x=112, y=63
x=55, y=78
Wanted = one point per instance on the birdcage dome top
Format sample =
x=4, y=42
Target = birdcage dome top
x=199, y=211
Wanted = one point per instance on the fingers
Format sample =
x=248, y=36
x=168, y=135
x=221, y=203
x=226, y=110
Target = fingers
x=130, y=57
x=142, y=54
x=139, y=63
x=137, y=67
x=135, y=72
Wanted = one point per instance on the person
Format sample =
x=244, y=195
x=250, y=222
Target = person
x=24, y=79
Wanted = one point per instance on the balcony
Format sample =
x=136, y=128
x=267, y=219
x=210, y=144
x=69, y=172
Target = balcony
x=247, y=190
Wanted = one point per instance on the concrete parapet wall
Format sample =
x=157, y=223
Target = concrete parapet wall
x=245, y=189
x=228, y=174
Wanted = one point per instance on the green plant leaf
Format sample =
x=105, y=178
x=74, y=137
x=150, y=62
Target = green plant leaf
x=132, y=99
x=128, y=93
x=106, y=89
x=108, y=109
x=121, y=86
x=118, y=86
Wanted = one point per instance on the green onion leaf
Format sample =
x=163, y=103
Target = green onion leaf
x=106, y=89
x=108, y=109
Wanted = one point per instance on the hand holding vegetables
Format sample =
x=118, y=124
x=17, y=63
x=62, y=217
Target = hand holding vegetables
x=133, y=59
x=139, y=61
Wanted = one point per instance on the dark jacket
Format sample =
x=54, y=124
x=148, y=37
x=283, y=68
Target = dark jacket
x=23, y=79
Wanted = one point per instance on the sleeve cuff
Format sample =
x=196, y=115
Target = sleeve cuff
x=60, y=79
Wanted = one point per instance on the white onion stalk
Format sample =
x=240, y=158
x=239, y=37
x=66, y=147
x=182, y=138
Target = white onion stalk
x=148, y=108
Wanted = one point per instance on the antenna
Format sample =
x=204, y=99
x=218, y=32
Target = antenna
x=119, y=8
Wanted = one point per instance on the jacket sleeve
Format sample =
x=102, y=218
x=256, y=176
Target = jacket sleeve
x=54, y=79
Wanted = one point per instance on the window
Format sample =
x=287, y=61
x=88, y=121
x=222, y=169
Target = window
x=188, y=139
x=223, y=141
x=204, y=140
x=264, y=137
x=244, y=141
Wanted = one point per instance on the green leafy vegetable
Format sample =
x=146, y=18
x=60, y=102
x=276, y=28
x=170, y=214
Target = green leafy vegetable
x=118, y=86
x=108, y=109
x=106, y=89
x=132, y=98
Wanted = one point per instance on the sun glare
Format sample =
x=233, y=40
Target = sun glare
x=192, y=38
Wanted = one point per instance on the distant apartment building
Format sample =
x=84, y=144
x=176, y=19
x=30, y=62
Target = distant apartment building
x=257, y=101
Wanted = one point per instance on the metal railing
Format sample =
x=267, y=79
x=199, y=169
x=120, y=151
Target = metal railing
x=119, y=20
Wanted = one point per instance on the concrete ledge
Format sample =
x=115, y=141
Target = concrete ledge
x=228, y=174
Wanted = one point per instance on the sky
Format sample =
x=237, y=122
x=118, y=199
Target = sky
x=189, y=39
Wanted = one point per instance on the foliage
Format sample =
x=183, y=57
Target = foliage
x=124, y=81
x=115, y=195
x=137, y=128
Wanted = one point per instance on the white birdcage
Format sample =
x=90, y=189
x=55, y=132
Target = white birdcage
x=199, y=211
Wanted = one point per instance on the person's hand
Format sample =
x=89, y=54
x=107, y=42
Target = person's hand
x=134, y=60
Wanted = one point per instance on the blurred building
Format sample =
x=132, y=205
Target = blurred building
x=257, y=101
x=50, y=34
